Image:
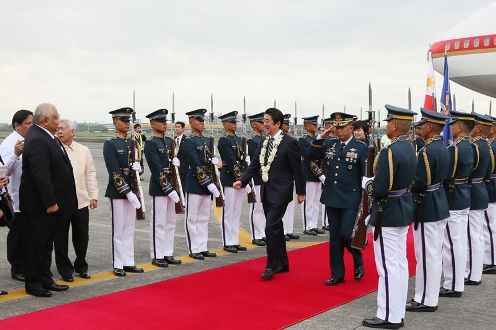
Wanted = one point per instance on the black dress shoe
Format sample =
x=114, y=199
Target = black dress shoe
x=68, y=278
x=133, y=269
x=40, y=292
x=172, y=261
x=268, y=274
x=119, y=272
x=334, y=280
x=208, y=254
x=449, y=293
x=489, y=269
x=258, y=242
x=85, y=275
x=326, y=228
x=286, y=238
x=376, y=322
x=230, y=249
x=414, y=306
x=159, y=263
x=197, y=256
x=310, y=232
x=318, y=231
x=470, y=282
x=293, y=236
x=56, y=287
x=240, y=248
x=359, y=272
x=19, y=277
x=3, y=292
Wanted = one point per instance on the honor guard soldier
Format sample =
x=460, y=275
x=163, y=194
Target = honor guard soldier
x=124, y=202
x=457, y=190
x=490, y=221
x=391, y=214
x=314, y=178
x=231, y=153
x=257, y=216
x=479, y=198
x=431, y=211
x=199, y=185
x=342, y=191
x=288, y=218
x=159, y=157
x=328, y=124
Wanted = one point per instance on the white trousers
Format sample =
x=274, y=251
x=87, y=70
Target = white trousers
x=475, y=245
x=196, y=219
x=310, y=207
x=123, y=223
x=490, y=235
x=162, y=227
x=257, y=217
x=428, y=239
x=288, y=218
x=455, y=250
x=392, y=267
x=325, y=220
x=231, y=214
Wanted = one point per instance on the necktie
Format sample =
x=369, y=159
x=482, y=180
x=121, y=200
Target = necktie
x=341, y=147
x=270, y=145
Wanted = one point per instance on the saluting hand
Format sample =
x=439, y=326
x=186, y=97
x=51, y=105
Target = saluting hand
x=325, y=133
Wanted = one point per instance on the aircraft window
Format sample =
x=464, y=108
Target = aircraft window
x=486, y=42
x=457, y=44
x=466, y=43
x=476, y=43
x=447, y=46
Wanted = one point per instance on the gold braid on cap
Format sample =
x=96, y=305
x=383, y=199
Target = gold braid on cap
x=391, y=169
x=427, y=166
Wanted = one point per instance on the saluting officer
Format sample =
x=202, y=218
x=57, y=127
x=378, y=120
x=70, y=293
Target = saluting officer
x=124, y=202
x=342, y=191
x=454, y=254
x=231, y=153
x=490, y=221
x=391, y=214
x=479, y=199
x=199, y=185
x=159, y=156
x=314, y=178
x=328, y=124
x=431, y=211
x=257, y=216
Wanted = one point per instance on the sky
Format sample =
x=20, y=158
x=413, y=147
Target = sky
x=87, y=57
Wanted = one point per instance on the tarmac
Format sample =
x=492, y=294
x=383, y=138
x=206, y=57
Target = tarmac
x=475, y=310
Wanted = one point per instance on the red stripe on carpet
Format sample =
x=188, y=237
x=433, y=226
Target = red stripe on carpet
x=232, y=296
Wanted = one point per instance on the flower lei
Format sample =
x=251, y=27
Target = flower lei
x=266, y=168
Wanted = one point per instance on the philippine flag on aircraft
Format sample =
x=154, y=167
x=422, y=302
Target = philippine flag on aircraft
x=446, y=103
x=430, y=92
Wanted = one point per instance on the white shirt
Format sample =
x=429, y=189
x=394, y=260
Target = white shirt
x=14, y=166
x=277, y=135
x=347, y=141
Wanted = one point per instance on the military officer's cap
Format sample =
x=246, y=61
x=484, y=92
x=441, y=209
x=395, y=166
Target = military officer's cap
x=398, y=113
x=231, y=117
x=160, y=115
x=493, y=118
x=286, y=118
x=197, y=114
x=341, y=119
x=482, y=119
x=123, y=114
x=458, y=115
x=257, y=117
x=432, y=117
x=328, y=120
x=312, y=120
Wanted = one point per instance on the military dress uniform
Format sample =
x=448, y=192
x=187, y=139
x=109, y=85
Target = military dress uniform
x=116, y=153
x=231, y=153
x=431, y=215
x=391, y=214
x=490, y=214
x=325, y=219
x=457, y=190
x=257, y=216
x=198, y=179
x=288, y=218
x=479, y=202
x=341, y=194
x=159, y=155
x=314, y=178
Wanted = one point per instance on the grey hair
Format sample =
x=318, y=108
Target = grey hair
x=42, y=111
x=70, y=124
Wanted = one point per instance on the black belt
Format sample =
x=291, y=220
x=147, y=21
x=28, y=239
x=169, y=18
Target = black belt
x=398, y=193
x=460, y=180
x=433, y=187
x=477, y=180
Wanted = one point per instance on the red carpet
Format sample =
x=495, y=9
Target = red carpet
x=232, y=296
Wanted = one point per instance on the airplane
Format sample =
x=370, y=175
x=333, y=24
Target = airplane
x=471, y=50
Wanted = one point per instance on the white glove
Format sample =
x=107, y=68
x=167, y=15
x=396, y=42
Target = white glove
x=133, y=199
x=176, y=162
x=248, y=189
x=215, y=160
x=366, y=181
x=367, y=219
x=136, y=166
x=173, y=196
x=213, y=189
x=322, y=178
x=248, y=159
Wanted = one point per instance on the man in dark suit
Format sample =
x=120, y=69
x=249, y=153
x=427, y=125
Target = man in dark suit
x=279, y=162
x=46, y=193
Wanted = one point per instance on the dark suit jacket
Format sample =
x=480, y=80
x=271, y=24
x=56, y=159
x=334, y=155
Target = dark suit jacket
x=285, y=169
x=47, y=177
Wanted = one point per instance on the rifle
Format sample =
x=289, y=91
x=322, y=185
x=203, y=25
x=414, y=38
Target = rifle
x=219, y=201
x=252, y=197
x=176, y=180
x=135, y=177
